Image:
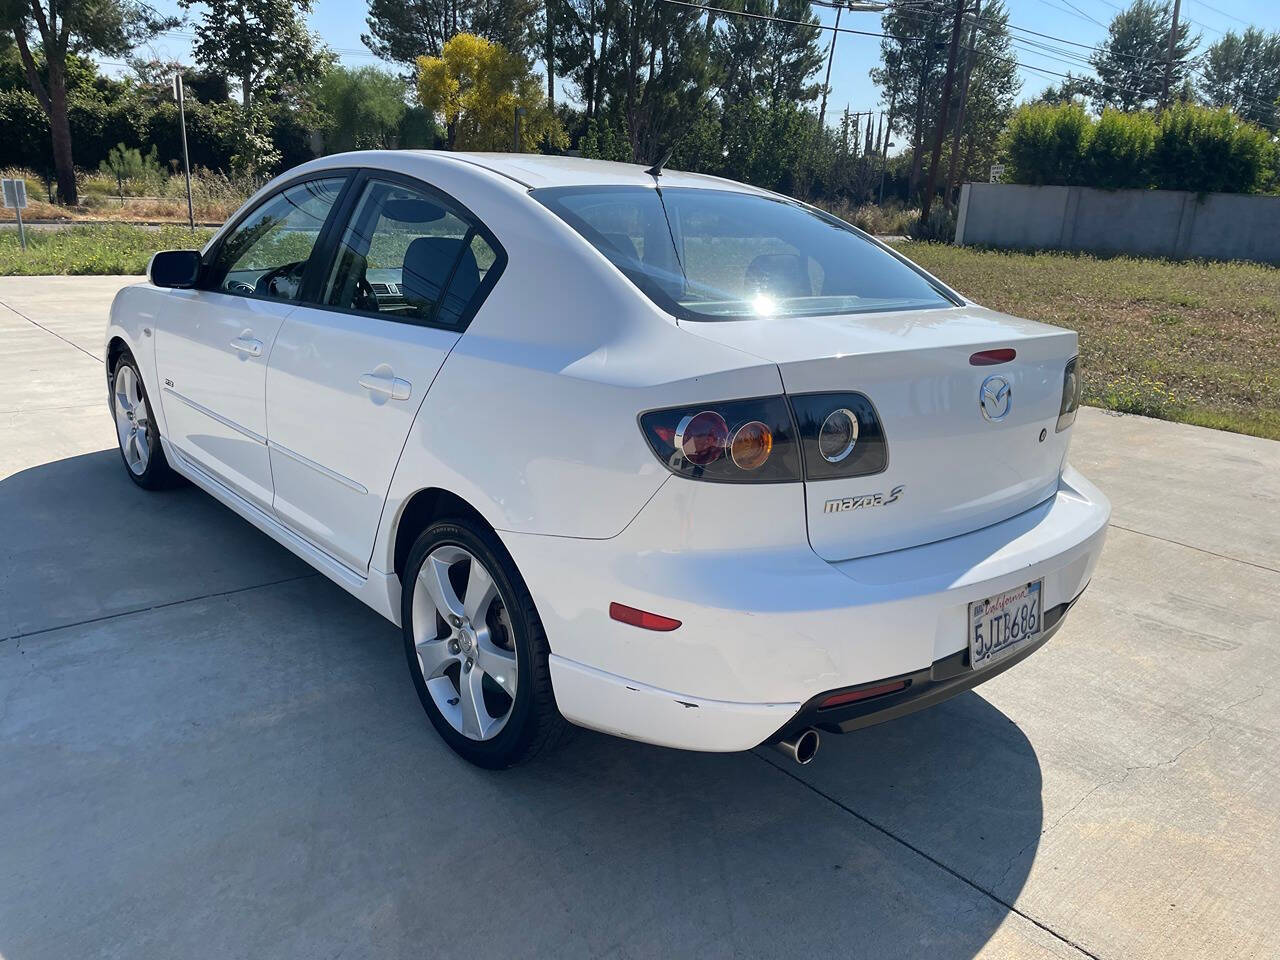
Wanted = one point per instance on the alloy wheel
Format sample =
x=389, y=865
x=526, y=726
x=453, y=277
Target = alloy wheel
x=133, y=419
x=465, y=646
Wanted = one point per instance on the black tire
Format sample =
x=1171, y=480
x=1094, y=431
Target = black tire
x=534, y=724
x=157, y=474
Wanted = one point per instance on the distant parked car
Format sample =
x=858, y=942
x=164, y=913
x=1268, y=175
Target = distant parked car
x=653, y=453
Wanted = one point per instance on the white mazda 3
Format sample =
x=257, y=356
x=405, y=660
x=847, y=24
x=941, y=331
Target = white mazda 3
x=652, y=453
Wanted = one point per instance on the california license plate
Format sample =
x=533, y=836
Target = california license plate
x=998, y=625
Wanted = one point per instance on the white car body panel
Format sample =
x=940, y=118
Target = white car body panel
x=335, y=443
x=213, y=389
x=530, y=417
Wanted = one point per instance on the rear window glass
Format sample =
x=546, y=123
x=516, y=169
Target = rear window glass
x=719, y=255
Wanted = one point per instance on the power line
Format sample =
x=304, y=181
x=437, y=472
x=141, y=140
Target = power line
x=1223, y=13
x=982, y=53
x=1071, y=59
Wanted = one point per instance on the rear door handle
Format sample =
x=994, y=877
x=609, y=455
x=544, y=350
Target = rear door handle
x=393, y=387
x=248, y=345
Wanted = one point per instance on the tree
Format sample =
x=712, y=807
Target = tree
x=129, y=163
x=362, y=109
x=913, y=56
x=263, y=44
x=770, y=59
x=62, y=29
x=1071, y=90
x=475, y=86
x=1243, y=73
x=1130, y=62
x=403, y=30
x=988, y=96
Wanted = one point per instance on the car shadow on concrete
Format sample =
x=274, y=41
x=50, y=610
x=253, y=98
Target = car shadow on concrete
x=249, y=773
x=82, y=541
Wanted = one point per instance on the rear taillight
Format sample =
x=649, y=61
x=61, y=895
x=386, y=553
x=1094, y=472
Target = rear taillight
x=738, y=441
x=840, y=435
x=1070, y=396
x=818, y=436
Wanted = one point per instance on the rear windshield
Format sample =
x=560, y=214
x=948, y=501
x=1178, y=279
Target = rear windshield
x=721, y=255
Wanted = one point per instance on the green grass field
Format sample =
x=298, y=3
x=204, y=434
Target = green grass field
x=91, y=250
x=1193, y=342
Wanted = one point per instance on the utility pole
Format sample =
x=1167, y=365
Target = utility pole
x=186, y=159
x=516, y=145
x=1168, y=62
x=853, y=7
x=970, y=55
x=943, y=112
x=826, y=84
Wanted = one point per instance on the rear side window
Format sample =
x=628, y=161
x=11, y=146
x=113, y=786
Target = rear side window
x=720, y=255
x=266, y=254
x=406, y=255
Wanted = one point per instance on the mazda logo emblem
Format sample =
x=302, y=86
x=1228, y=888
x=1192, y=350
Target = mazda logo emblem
x=995, y=399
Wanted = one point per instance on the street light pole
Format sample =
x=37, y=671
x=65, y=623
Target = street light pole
x=178, y=95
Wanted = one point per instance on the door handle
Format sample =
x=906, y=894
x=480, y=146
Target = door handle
x=393, y=387
x=247, y=345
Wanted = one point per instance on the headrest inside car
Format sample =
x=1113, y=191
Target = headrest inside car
x=411, y=210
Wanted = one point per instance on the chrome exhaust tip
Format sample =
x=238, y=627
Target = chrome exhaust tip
x=801, y=748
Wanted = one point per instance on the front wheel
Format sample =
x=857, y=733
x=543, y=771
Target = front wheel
x=476, y=648
x=136, y=430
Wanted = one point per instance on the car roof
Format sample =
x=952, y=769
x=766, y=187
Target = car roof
x=535, y=170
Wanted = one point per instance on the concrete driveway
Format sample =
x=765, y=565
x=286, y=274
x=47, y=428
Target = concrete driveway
x=208, y=751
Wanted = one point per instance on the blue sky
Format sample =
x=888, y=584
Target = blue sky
x=340, y=23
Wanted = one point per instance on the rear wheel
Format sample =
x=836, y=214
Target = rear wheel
x=136, y=430
x=476, y=648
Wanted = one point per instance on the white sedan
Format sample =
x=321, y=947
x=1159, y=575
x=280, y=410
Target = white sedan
x=652, y=453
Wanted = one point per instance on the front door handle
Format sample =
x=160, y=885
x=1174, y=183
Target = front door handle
x=388, y=386
x=247, y=345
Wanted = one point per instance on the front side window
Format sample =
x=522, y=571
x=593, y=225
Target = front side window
x=406, y=255
x=719, y=255
x=267, y=252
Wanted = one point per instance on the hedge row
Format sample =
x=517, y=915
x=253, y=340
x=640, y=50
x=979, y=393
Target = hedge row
x=213, y=131
x=1186, y=147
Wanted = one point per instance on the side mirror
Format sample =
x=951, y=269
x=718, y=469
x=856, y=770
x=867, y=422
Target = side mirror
x=174, y=268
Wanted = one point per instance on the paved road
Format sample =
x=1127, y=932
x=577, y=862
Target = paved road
x=208, y=751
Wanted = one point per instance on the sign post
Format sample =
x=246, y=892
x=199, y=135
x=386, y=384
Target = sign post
x=186, y=160
x=15, y=196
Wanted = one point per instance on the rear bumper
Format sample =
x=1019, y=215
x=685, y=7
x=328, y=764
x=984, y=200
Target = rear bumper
x=943, y=680
x=768, y=627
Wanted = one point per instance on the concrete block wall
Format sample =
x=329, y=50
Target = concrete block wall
x=1152, y=223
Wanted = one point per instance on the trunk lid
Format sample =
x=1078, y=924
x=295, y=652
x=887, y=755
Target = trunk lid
x=958, y=471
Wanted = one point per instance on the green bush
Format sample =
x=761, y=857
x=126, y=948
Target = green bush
x=1047, y=144
x=1210, y=151
x=1186, y=147
x=128, y=163
x=1120, y=149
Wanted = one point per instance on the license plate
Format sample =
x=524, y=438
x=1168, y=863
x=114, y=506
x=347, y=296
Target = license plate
x=998, y=625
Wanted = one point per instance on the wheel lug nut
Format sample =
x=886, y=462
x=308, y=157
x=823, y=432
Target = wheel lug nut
x=453, y=646
x=469, y=663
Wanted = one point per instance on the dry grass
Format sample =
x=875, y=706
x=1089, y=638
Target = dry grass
x=153, y=199
x=888, y=220
x=1194, y=342
x=133, y=210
